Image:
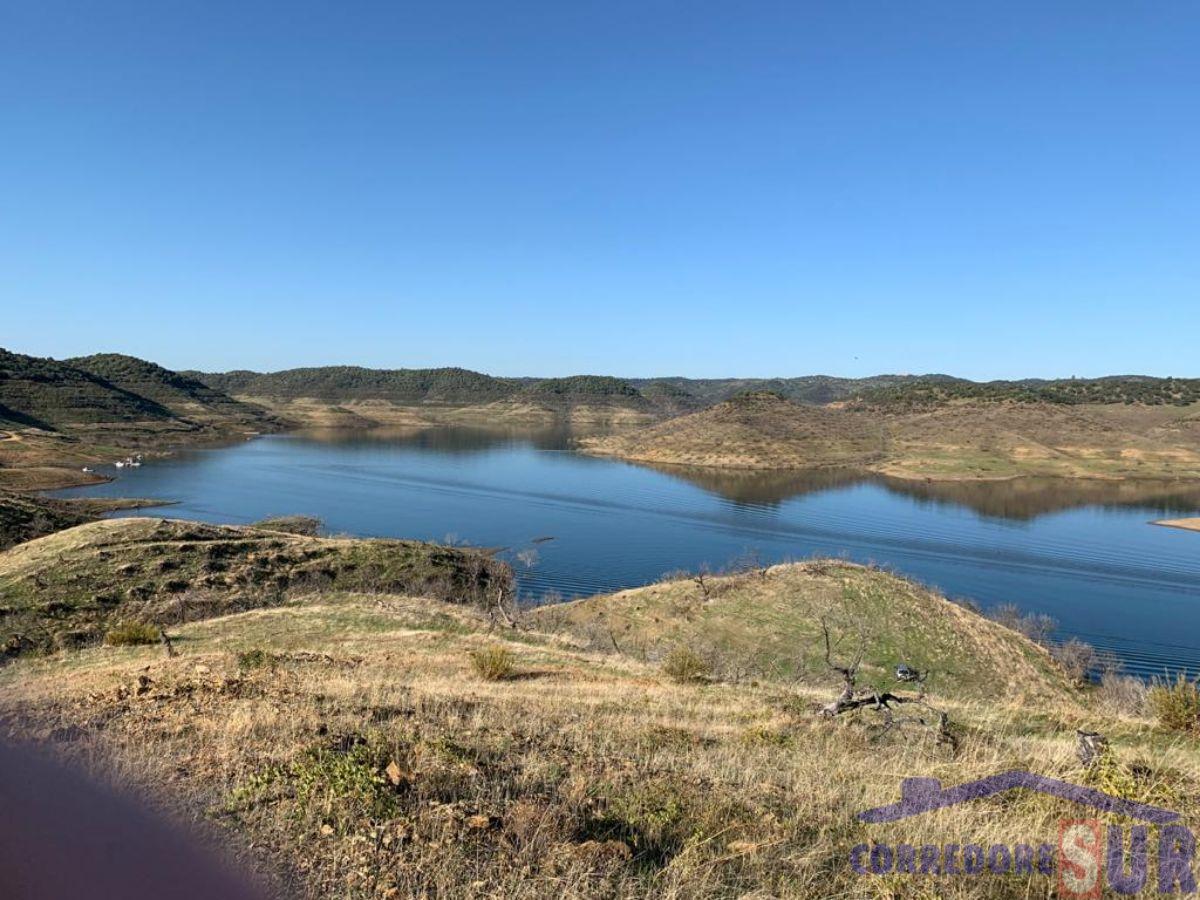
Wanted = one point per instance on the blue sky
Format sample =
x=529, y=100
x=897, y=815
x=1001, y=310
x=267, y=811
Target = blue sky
x=641, y=188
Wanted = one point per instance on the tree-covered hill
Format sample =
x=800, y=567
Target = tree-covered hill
x=50, y=394
x=1126, y=389
x=343, y=383
x=182, y=395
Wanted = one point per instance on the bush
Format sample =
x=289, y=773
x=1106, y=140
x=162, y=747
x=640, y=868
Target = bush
x=131, y=634
x=1176, y=704
x=1123, y=694
x=256, y=658
x=683, y=665
x=493, y=663
x=1078, y=660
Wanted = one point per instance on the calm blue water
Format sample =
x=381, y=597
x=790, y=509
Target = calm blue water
x=1098, y=568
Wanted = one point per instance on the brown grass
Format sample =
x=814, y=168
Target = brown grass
x=957, y=441
x=365, y=761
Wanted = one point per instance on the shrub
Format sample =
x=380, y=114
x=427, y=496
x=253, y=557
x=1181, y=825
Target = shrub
x=493, y=662
x=1176, y=704
x=256, y=658
x=130, y=634
x=1078, y=660
x=683, y=665
x=1123, y=694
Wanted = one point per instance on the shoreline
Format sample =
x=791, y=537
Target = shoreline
x=1192, y=524
x=907, y=476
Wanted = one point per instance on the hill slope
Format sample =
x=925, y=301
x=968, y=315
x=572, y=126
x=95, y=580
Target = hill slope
x=928, y=392
x=182, y=396
x=67, y=588
x=999, y=439
x=348, y=744
x=56, y=417
x=753, y=431
x=45, y=393
x=767, y=624
x=343, y=383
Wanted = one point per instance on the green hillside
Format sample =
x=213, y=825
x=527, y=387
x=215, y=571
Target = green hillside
x=45, y=393
x=182, y=395
x=69, y=587
x=811, y=389
x=343, y=383
x=1127, y=389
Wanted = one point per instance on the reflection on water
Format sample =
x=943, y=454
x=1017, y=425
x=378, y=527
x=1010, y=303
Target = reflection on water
x=1078, y=551
x=1016, y=498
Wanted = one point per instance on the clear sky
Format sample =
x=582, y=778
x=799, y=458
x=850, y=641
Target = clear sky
x=637, y=188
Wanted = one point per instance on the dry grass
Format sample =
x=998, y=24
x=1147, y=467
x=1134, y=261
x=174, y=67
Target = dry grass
x=1176, y=704
x=131, y=634
x=365, y=761
x=493, y=662
x=765, y=624
x=753, y=431
x=958, y=441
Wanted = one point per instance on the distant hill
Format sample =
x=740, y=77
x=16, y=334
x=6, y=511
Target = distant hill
x=757, y=430
x=587, y=389
x=180, y=394
x=1128, y=389
x=345, y=383
x=961, y=440
x=36, y=392
x=59, y=418
x=812, y=389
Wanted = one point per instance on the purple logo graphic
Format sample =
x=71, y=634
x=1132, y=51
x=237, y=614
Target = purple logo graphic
x=918, y=795
x=1087, y=854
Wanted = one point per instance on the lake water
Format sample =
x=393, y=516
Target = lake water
x=1083, y=554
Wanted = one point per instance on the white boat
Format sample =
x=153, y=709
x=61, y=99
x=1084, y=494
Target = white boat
x=120, y=464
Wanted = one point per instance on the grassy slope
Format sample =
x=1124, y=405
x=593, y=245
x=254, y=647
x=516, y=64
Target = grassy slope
x=585, y=774
x=752, y=431
x=68, y=588
x=767, y=623
x=971, y=439
x=24, y=517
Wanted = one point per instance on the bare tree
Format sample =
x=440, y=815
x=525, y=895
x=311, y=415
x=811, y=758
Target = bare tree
x=885, y=702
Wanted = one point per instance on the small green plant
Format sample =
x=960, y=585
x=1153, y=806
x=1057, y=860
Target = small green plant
x=1176, y=704
x=493, y=662
x=342, y=788
x=131, y=634
x=683, y=665
x=256, y=658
